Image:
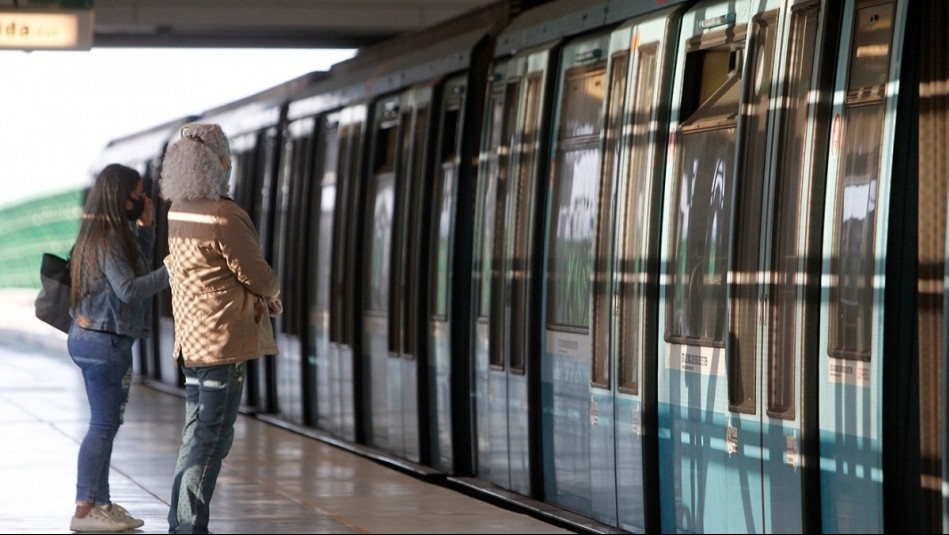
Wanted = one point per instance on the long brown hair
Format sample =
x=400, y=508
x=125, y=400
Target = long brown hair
x=103, y=220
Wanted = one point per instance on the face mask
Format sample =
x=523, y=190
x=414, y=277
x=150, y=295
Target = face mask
x=138, y=206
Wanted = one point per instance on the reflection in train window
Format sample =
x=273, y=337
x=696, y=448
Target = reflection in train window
x=703, y=182
x=634, y=264
x=498, y=298
x=496, y=146
x=853, y=259
x=326, y=197
x=444, y=196
x=523, y=225
x=573, y=216
x=603, y=263
x=344, y=229
x=744, y=291
x=793, y=232
x=381, y=206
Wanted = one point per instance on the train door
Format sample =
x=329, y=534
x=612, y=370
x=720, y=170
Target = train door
x=731, y=411
x=448, y=365
x=345, y=294
x=253, y=186
x=394, y=283
x=643, y=49
x=577, y=399
x=290, y=260
x=791, y=245
x=860, y=182
x=333, y=281
x=507, y=273
x=322, y=401
x=491, y=428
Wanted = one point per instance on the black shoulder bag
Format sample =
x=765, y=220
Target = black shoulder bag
x=52, y=303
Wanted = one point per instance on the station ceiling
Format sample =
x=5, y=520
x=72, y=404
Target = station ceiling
x=266, y=23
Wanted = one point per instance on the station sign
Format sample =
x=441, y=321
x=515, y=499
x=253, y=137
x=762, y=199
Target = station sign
x=61, y=29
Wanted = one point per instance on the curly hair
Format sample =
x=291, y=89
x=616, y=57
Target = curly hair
x=197, y=165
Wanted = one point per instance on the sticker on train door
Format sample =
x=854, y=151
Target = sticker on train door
x=849, y=372
x=696, y=359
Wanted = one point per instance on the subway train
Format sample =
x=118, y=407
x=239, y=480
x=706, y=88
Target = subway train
x=664, y=266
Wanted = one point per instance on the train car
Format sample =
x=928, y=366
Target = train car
x=735, y=384
x=144, y=151
x=391, y=182
x=870, y=437
x=552, y=155
x=788, y=394
x=673, y=266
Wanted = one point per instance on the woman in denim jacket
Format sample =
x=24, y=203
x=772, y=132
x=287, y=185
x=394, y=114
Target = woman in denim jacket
x=112, y=286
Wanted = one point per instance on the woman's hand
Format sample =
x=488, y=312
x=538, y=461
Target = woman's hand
x=148, y=214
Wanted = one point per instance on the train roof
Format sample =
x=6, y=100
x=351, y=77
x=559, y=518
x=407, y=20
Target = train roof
x=406, y=60
x=565, y=18
x=262, y=108
x=141, y=145
x=354, y=85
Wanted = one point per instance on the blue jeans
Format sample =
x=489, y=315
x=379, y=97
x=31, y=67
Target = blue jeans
x=212, y=399
x=106, y=362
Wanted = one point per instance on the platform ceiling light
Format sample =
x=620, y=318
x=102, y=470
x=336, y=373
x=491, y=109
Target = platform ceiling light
x=46, y=29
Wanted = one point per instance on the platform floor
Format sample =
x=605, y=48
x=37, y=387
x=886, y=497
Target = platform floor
x=273, y=481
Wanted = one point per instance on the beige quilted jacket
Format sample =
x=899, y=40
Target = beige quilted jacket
x=219, y=284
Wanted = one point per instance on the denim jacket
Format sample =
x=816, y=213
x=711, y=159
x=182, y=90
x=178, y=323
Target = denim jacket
x=115, y=299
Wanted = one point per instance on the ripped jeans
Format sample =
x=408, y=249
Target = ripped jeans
x=106, y=362
x=212, y=399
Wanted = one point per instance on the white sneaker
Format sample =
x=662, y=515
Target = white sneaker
x=119, y=513
x=97, y=520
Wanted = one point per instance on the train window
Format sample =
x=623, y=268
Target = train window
x=415, y=184
x=498, y=258
x=385, y=147
x=449, y=140
x=520, y=263
x=633, y=265
x=344, y=279
x=573, y=212
x=381, y=205
x=853, y=259
x=444, y=196
x=744, y=288
x=322, y=245
x=296, y=176
x=489, y=179
x=263, y=214
x=603, y=262
x=791, y=263
x=870, y=53
x=703, y=186
x=243, y=181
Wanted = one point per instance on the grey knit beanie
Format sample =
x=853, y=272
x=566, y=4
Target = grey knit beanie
x=210, y=135
x=197, y=165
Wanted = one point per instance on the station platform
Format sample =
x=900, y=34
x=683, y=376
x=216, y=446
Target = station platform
x=273, y=481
